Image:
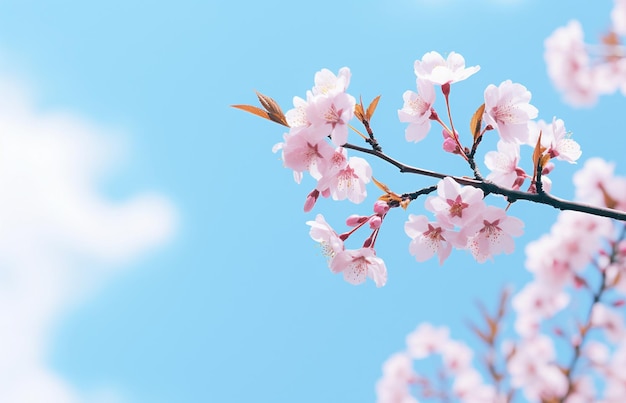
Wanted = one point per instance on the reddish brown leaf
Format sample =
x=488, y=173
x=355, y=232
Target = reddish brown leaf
x=273, y=109
x=253, y=110
x=358, y=112
x=381, y=185
x=477, y=121
x=372, y=108
x=537, y=155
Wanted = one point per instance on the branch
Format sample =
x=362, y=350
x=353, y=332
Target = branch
x=489, y=187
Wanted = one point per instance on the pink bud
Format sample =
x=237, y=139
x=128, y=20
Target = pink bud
x=355, y=220
x=381, y=207
x=618, y=303
x=375, y=222
x=579, y=282
x=310, y=200
x=326, y=192
x=450, y=146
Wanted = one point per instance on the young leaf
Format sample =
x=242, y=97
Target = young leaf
x=372, y=108
x=381, y=185
x=253, y=110
x=539, y=149
x=477, y=121
x=273, y=110
x=358, y=110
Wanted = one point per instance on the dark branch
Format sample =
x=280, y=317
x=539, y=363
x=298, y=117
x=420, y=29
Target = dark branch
x=489, y=187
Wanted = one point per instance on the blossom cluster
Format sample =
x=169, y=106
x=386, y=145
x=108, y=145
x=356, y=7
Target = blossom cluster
x=325, y=115
x=355, y=264
x=583, y=72
x=400, y=382
x=484, y=230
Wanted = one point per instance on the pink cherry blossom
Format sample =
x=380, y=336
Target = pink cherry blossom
x=398, y=374
x=508, y=110
x=296, y=117
x=329, y=116
x=540, y=301
x=469, y=387
x=618, y=17
x=504, y=167
x=357, y=265
x=455, y=204
x=532, y=369
x=327, y=83
x=611, y=321
x=569, y=66
x=434, y=68
x=495, y=235
x=303, y=151
x=457, y=356
x=596, y=184
x=417, y=110
x=428, y=238
x=323, y=233
x=346, y=178
x=426, y=340
x=556, y=139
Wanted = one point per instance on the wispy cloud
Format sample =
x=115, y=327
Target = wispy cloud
x=59, y=236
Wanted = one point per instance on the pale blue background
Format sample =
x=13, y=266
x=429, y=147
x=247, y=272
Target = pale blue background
x=241, y=307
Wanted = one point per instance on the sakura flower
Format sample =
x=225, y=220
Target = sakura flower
x=469, y=387
x=358, y=264
x=508, y=110
x=556, y=139
x=296, y=117
x=596, y=184
x=504, y=167
x=435, y=69
x=457, y=357
x=426, y=340
x=329, y=116
x=428, y=238
x=495, y=234
x=569, y=66
x=532, y=369
x=417, y=110
x=327, y=237
x=540, y=300
x=618, y=17
x=303, y=151
x=346, y=178
x=596, y=352
x=454, y=204
x=398, y=374
x=609, y=320
x=327, y=83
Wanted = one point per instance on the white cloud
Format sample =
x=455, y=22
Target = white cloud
x=59, y=237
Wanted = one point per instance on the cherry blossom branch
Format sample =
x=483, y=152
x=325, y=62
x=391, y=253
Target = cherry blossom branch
x=489, y=187
x=584, y=330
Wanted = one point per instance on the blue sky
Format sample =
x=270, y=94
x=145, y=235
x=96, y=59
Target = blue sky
x=207, y=287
